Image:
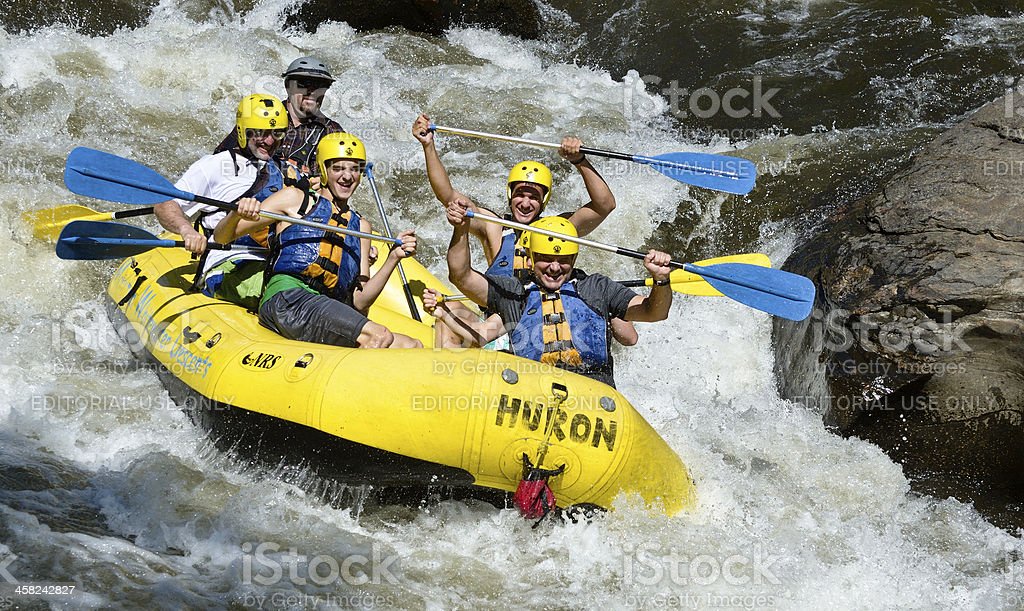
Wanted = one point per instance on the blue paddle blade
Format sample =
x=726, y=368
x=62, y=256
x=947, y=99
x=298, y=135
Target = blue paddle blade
x=717, y=172
x=91, y=241
x=116, y=179
x=777, y=292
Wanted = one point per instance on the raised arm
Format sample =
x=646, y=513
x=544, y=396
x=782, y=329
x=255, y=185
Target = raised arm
x=488, y=234
x=436, y=172
x=602, y=202
x=460, y=270
x=655, y=306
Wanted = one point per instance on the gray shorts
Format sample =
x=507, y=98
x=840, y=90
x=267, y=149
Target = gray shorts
x=309, y=317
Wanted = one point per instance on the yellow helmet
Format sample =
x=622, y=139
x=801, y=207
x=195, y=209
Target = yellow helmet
x=339, y=145
x=540, y=244
x=530, y=171
x=259, y=111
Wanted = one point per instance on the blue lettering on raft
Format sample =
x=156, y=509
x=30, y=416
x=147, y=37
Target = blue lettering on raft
x=189, y=361
x=140, y=307
x=180, y=355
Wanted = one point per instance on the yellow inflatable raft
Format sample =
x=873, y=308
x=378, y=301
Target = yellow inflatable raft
x=391, y=417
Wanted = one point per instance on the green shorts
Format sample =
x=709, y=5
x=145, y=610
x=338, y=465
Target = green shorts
x=237, y=281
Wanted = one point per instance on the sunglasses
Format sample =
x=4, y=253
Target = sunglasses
x=259, y=134
x=310, y=83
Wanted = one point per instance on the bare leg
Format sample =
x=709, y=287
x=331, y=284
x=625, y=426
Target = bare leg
x=460, y=327
x=374, y=335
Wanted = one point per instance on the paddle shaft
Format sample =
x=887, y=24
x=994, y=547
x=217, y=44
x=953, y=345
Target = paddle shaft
x=299, y=221
x=170, y=191
x=413, y=310
x=124, y=214
x=585, y=150
x=157, y=243
x=109, y=216
x=629, y=283
x=688, y=284
x=632, y=283
x=629, y=252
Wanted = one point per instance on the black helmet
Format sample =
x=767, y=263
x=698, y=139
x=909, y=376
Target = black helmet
x=308, y=66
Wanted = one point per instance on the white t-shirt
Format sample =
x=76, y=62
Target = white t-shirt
x=214, y=176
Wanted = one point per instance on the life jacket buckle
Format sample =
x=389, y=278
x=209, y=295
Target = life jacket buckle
x=555, y=318
x=558, y=346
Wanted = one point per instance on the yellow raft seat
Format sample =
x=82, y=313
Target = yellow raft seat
x=414, y=418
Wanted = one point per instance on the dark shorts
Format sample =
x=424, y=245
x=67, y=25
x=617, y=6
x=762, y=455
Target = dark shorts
x=308, y=317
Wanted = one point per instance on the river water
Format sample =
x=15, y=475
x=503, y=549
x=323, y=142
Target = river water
x=108, y=486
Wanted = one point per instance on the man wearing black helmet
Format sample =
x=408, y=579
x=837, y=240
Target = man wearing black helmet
x=306, y=82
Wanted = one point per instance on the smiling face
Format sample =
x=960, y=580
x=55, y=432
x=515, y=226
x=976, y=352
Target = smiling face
x=552, y=271
x=263, y=142
x=343, y=176
x=527, y=202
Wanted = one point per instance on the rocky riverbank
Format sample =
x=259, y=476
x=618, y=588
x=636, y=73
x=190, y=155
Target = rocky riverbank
x=916, y=341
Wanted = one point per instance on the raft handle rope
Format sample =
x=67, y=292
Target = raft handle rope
x=534, y=497
x=140, y=278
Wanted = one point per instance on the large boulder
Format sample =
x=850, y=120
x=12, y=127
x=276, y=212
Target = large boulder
x=97, y=18
x=917, y=340
x=515, y=17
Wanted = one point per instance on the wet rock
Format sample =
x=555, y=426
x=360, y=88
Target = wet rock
x=97, y=18
x=917, y=340
x=515, y=17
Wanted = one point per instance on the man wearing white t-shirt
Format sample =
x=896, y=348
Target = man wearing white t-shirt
x=247, y=171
